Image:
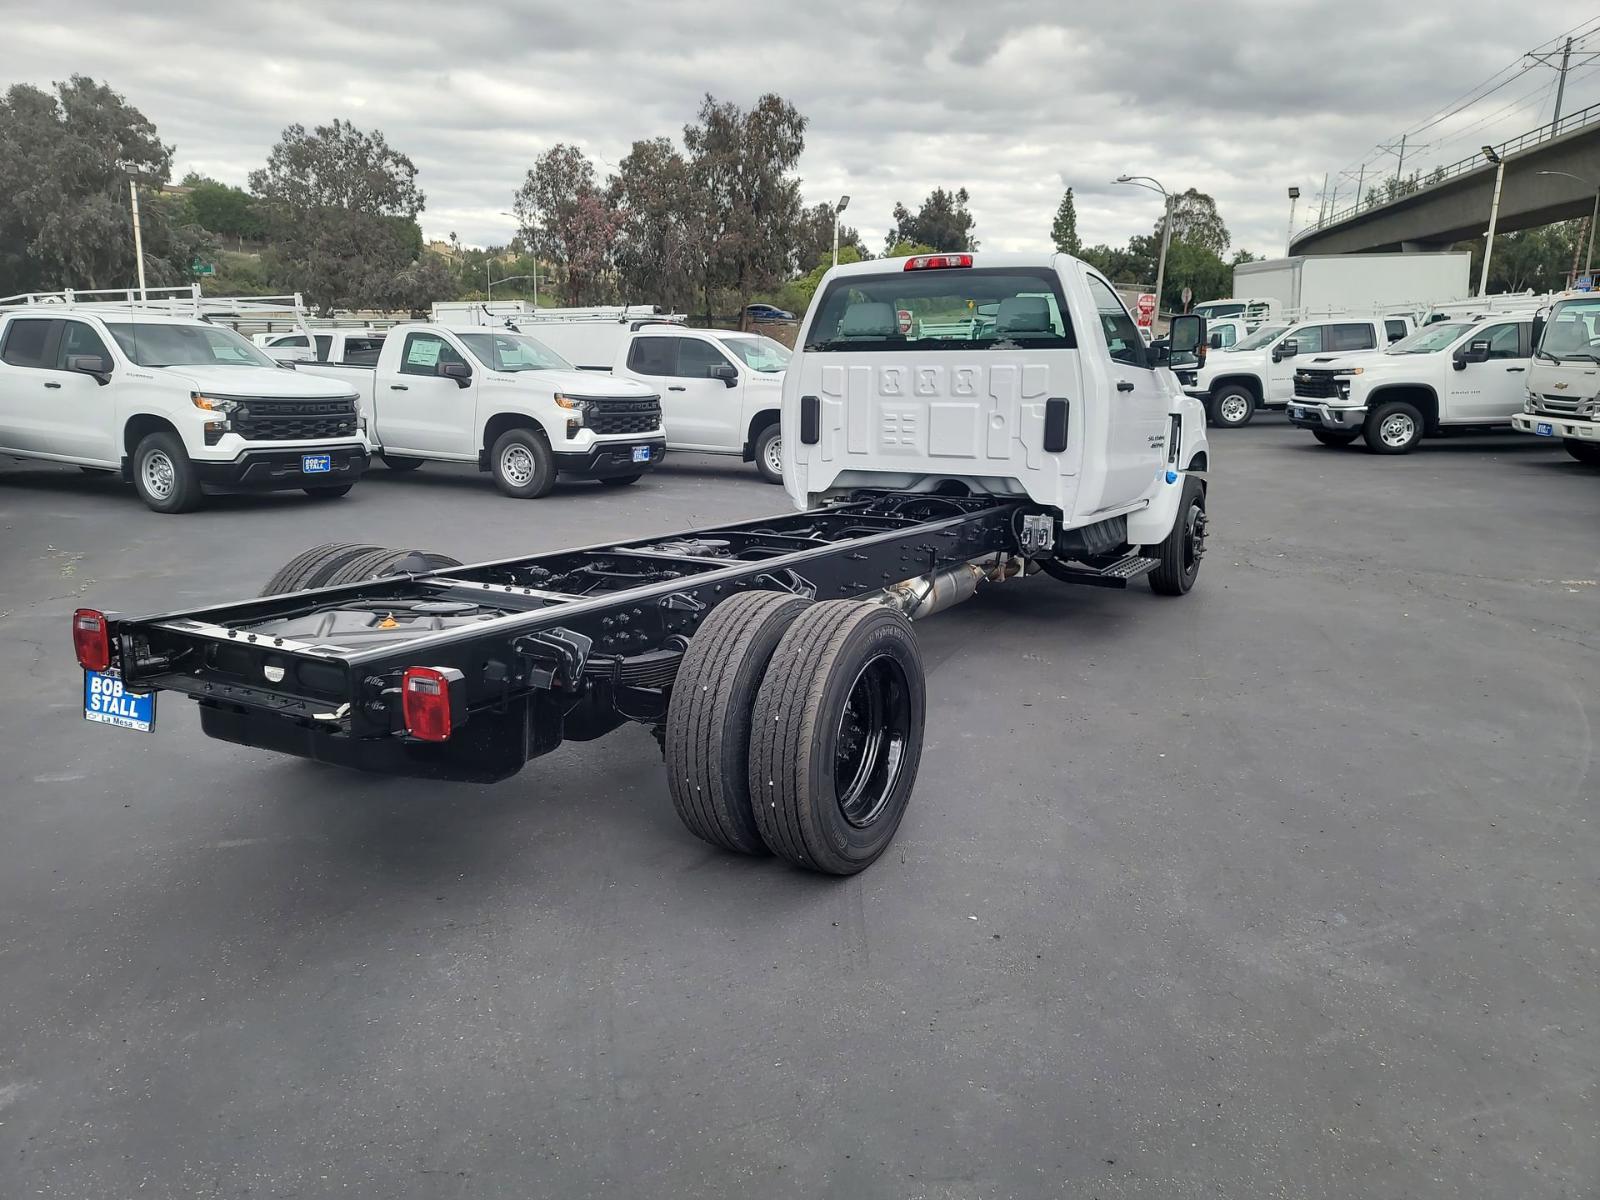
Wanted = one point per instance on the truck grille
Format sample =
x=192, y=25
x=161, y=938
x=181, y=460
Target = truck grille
x=625, y=416
x=1321, y=385
x=261, y=420
x=1565, y=405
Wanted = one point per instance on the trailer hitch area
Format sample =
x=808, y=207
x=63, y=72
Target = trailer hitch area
x=553, y=659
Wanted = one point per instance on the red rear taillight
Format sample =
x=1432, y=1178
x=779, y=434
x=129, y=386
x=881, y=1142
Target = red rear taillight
x=938, y=262
x=425, y=703
x=91, y=639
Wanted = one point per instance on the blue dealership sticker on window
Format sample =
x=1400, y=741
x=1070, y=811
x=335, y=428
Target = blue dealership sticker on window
x=107, y=702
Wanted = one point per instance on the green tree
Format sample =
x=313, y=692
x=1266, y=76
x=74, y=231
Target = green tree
x=227, y=211
x=1195, y=220
x=1064, y=229
x=814, y=239
x=1244, y=256
x=661, y=250
x=942, y=222
x=741, y=164
x=65, y=162
x=341, y=209
x=567, y=221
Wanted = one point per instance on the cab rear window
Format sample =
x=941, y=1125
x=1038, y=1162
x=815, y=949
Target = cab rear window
x=996, y=308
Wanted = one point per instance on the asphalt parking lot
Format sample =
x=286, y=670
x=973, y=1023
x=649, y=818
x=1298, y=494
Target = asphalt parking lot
x=1287, y=888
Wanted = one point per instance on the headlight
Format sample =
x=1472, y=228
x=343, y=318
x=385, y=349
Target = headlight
x=214, y=404
x=1354, y=371
x=572, y=402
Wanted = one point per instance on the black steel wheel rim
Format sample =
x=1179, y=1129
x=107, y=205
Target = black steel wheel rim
x=1194, y=538
x=870, y=742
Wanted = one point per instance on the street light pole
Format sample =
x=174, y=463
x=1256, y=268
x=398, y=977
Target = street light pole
x=1494, y=215
x=1294, y=199
x=1152, y=185
x=138, y=234
x=844, y=203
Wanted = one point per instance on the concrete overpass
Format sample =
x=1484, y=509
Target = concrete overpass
x=1456, y=207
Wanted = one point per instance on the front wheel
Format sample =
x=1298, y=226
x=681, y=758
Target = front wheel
x=1393, y=428
x=332, y=492
x=1587, y=453
x=396, y=463
x=1329, y=438
x=522, y=464
x=1182, y=549
x=769, y=454
x=164, y=476
x=621, y=480
x=1232, y=406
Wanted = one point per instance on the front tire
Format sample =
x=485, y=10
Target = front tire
x=1329, y=438
x=1588, y=453
x=165, y=478
x=707, y=739
x=396, y=463
x=1181, y=550
x=617, y=481
x=1393, y=428
x=836, y=736
x=523, y=466
x=332, y=492
x=1232, y=406
x=769, y=453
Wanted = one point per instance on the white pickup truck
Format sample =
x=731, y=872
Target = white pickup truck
x=505, y=401
x=358, y=346
x=174, y=404
x=1457, y=376
x=1258, y=372
x=1563, y=399
x=720, y=389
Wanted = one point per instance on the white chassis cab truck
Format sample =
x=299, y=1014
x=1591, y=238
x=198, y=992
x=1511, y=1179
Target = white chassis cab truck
x=774, y=658
x=504, y=401
x=1563, y=399
x=1454, y=377
x=151, y=388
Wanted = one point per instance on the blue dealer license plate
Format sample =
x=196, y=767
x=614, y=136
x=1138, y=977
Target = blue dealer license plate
x=105, y=701
x=316, y=464
x=641, y=454
x=1545, y=429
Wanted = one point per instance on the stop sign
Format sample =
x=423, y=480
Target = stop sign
x=905, y=319
x=1147, y=308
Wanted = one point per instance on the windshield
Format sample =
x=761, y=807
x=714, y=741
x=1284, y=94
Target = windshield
x=152, y=344
x=1261, y=337
x=759, y=353
x=513, y=352
x=961, y=308
x=1573, y=329
x=1219, y=309
x=1430, y=339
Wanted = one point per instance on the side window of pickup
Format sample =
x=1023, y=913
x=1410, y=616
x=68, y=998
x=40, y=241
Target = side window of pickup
x=1308, y=339
x=1122, y=335
x=653, y=355
x=424, y=352
x=1394, y=330
x=30, y=342
x=696, y=358
x=78, y=338
x=1355, y=336
x=324, y=344
x=1504, y=341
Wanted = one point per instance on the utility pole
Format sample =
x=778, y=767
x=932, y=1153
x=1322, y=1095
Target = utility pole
x=1494, y=215
x=1547, y=58
x=1322, y=201
x=138, y=234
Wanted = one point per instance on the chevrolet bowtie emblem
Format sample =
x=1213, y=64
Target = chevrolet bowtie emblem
x=1561, y=387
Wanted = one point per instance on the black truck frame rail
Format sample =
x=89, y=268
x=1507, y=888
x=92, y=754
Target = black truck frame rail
x=564, y=645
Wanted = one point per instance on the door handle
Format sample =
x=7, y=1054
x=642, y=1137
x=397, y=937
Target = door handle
x=52, y=384
x=1514, y=370
x=675, y=388
x=398, y=387
x=1124, y=385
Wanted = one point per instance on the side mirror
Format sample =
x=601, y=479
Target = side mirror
x=1474, y=352
x=726, y=371
x=91, y=364
x=1287, y=348
x=1187, y=335
x=1215, y=341
x=460, y=372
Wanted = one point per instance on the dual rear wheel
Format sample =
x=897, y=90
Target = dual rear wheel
x=796, y=729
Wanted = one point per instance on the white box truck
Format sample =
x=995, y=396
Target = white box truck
x=1332, y=284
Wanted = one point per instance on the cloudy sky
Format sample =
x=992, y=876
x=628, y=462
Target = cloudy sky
x=1013, y=99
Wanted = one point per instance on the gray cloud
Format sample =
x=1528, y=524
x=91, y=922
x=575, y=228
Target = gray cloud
x=1013, y=99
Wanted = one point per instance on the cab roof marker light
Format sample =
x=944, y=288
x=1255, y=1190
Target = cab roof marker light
x=938, y=262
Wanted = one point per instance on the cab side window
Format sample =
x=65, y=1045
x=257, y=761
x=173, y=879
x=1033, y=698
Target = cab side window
x=696, y=358
x=424, y=352
x=1226, y=336
x=78, y=338
x=1122, y=335
x=324, y=344
x=653, y=355
x=30, y=343
x=1355, y=336
x=1394, y=330
x=1504, y=341
x=1307, y=340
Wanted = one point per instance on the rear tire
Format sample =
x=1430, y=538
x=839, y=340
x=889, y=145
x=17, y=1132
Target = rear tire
x=1181, y=550
x=1393, y=428
x=396, y=463
x=616, y=481
x=1329, y=438
x=165, y=478
x=522, y=464
x=1232, y=405
x=309, y=569
x=769, y=453
x=1587, y=453
x=329, y=493
x=707, y=740
x=836, y=736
